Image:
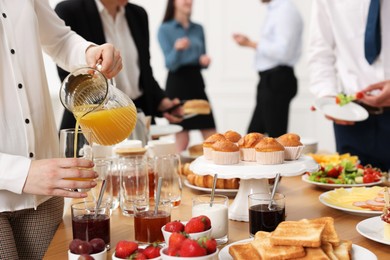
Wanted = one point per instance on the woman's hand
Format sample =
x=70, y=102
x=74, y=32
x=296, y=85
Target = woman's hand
x=175, y=116
x=182, y=44
x=243, y=40
x=47, y=177
x=108, y=56
x=380, y=99
x=204, y=60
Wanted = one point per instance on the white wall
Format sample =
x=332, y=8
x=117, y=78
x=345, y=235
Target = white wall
x=231, y=81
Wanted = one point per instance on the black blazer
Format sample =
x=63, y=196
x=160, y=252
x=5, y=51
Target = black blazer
x=83, y=18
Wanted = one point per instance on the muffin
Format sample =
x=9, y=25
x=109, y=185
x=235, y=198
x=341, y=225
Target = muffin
x=225, y=152
x=209, y=142
x=232, y=136
x=269, y=151
x=292, y=145
x=247, y=146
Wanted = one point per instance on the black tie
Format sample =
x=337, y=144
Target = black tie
x=372, y=40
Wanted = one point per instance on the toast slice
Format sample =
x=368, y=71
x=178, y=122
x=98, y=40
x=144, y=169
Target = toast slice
x=328, y=249
x=314, y=253
x=329, y=234
x=268, y=251
x=343, y=250
x=244, y=252
x=297, y=233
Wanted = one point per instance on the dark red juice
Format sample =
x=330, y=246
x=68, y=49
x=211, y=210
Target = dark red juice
x=147, y=226
x=263, y=219
x=87, y=227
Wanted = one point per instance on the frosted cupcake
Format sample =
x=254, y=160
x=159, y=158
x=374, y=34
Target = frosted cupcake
x=292, y=145
x=209, y=142
x=232, y=136
x=247, y=146
x=225, y=152
x=269, y=151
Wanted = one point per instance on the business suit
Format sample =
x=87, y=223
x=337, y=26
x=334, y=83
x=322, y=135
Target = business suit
x=83, y=17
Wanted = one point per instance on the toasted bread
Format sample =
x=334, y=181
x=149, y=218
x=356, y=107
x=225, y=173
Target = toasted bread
x=297, y=233
x=266, y=250
x=329, y=234
x=328, y=249
x=343, y=250
x=314, y=253
x=244, y=252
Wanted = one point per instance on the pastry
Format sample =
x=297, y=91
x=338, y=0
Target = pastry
x=225, y=152
x=292, y=145
x=247, y=146
x=232, y=136
x=269, y=151
x=209, y=142
x=197, y=106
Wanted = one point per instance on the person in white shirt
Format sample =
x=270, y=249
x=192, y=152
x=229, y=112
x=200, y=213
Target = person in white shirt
x=339, y=62
x=32, y=184
x=277, y=51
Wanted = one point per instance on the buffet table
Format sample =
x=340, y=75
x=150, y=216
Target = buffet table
x=301, y=202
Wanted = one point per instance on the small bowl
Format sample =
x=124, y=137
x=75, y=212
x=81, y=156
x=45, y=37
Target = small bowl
x=98, y=256
x=206, y=233
x=213, y=256
x=113, y=257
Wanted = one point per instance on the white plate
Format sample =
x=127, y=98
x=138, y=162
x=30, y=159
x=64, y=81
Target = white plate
x=162, y=130
x=362, y=212
x=372, y=228
x=348, y=112
x=358, y=252
x=329, y=186
x=228, y=192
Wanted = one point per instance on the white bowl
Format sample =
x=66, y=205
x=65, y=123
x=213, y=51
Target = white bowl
x=98, y=256
x=213, y=256
x=206, y=233
x=116, y=258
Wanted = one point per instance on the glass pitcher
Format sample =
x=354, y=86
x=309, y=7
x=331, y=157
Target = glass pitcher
x=98, y=106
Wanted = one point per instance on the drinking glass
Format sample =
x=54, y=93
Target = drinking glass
x=134, y=186
x=168, y=167
x=263, y=217
x=217, y=213
x=103, y=168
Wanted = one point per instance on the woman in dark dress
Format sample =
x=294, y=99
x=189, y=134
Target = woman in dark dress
x=183, y=45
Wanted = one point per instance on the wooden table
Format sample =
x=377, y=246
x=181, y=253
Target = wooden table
x=301, y=202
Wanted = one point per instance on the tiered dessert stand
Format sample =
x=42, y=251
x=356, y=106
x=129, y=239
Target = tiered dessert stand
x=253, y=178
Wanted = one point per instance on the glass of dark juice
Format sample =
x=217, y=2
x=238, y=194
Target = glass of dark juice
x=264, y=216
x=89, y=222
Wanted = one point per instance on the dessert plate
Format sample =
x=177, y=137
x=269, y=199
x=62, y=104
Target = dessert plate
x=162, y=130
x=372, y=228
x=349, y=112
x=358, y=252
x=329, y=186
x=227, y=192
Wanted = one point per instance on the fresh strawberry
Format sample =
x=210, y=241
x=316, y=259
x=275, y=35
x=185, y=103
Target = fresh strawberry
x=174, y=226
x=195, y=225
x=152, y=251
x=206, y=221
x=191, y=248
x=173, y=251
x=138, y=256
x=176, y=239
x=359, y=95
x=125, y=248
x=209, y=243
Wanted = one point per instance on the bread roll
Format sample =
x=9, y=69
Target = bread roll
x=197, y=106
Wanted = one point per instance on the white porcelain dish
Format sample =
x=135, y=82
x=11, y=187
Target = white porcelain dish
x=372, y=228
x=163, y=130
x=329, y=186
x=349, y=112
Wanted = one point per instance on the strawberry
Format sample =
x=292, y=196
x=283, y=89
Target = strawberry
x=195, y=225
x=359, y=95
x=206, y=221
x=174, y=226
x=176, y=239
x=152, y=251
x=172, y=251
x=209, y=243
x=191, y=248
x=125, y=248
x=138, y=256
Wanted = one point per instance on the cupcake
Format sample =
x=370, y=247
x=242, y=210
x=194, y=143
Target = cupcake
x=232, y=136
x=225, y=152
x=292, y=145
x=247, y=146
x=269, y=151
x=209, y=142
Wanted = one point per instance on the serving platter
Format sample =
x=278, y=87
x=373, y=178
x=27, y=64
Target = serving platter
x=329, y=186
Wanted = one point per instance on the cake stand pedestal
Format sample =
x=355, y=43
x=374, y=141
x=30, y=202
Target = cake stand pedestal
x=253, y=178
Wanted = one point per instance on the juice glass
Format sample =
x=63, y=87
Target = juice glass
x=148, y=223
x=89, y=222
x=103, y=168
x=217, y=213
x=261, y=216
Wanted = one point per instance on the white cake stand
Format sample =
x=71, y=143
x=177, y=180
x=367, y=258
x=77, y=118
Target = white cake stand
x=253, y=178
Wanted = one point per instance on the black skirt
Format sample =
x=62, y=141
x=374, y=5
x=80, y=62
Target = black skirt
x=187, y=83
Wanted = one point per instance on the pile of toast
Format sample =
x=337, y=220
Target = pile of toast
x=304, y=239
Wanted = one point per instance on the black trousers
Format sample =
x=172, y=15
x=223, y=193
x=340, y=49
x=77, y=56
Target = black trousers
x=275, y=90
